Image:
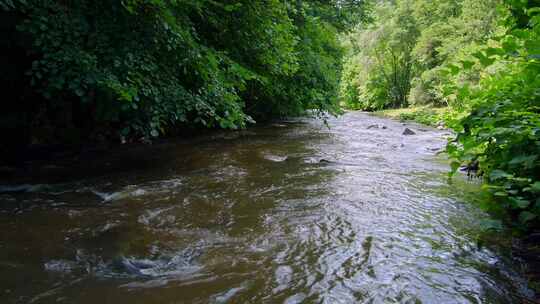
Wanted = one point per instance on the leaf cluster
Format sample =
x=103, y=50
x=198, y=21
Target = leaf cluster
x=147, y=67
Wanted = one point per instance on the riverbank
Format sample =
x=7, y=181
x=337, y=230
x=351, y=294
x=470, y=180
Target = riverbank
x=45, y=164
x=427, y=115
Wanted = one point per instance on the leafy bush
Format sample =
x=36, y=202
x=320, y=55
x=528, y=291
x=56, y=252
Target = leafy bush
x=146, y=67
x=502, y=131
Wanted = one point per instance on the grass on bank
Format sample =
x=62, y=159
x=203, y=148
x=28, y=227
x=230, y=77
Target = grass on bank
x=426, y=115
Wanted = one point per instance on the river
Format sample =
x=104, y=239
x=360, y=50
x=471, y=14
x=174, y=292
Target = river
x=292, y=212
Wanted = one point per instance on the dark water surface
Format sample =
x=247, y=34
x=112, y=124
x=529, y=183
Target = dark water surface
x=287, y=213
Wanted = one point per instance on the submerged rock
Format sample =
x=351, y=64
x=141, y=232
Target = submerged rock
x=135, y=267
x=376, y=126
x=472, y=169
x=275, y=158
x=408, y=131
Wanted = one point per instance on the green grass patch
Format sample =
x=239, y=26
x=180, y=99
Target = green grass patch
x=425, y=115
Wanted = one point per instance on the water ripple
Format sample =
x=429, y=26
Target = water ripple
x=289, y=213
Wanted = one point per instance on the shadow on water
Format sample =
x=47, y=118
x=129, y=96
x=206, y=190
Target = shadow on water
x=293, y=212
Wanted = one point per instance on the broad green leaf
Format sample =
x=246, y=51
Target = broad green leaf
x=467, y=65
x=533, y=47
x=523, y=159
x=454, y=69
x=519, y=203
x=494, y=52
x=483, y=59
x=532, y=11
x=510, y=45
x=535, y=187
x=498, y=174
x=526, y=216
x=455, y=166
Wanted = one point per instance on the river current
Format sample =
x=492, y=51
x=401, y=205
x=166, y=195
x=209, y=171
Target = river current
x=300, y=211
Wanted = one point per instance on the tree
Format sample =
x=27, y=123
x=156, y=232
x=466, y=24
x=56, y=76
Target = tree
x=141, y=68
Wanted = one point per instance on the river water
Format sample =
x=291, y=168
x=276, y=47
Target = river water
x=295, y=212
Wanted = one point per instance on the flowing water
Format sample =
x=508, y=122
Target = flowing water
x=294, y=212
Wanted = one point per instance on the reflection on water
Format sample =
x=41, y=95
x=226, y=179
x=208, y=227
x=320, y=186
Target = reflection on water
x=288, y=213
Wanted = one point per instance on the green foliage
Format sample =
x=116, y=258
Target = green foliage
x=379, y=71
x=145, y=67
x=401, y=59
x=315, y=82
x=424, y=116
x=482, y=60
x=502, y=131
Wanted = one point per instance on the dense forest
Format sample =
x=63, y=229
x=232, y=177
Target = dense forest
x=94, y=71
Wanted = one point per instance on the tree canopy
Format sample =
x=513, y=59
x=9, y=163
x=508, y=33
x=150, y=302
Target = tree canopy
x=110, y=69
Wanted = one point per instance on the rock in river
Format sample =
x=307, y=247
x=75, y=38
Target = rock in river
x=376, y=126
x=408, y=131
